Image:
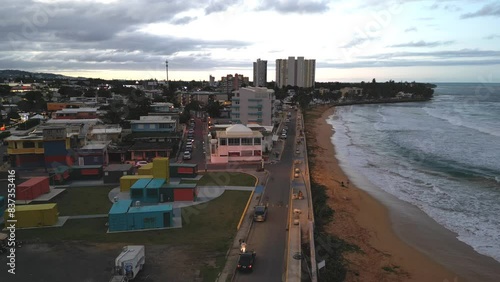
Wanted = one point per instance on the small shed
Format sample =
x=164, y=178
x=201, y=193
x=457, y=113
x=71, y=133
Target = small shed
x=183, y=170
x=128, y=180
x=117, y=215
x=146, y=169
x=178, y=192
x=138, y=190
x=32, y=188
x=161, y=168
x=35, y=215
x=152, y=194
x=86, y=172
x=150, y=217
x=113, y=172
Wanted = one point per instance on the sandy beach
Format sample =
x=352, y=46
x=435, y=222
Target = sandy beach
x=362, y=220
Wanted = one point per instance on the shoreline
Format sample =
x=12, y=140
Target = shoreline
x=361, y=219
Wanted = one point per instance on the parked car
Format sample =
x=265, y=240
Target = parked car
x=260, y=213
x=297, y=173
x=246, y=261
x=283, y=135
x=191, y=131
x=187, y=155
x=140, y=163
x=189, y=147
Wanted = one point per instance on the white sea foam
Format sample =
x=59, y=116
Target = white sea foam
x=465, y=207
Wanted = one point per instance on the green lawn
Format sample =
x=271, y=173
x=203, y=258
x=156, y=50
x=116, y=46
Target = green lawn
x=208, y=226
x=84, y=200
x=224, y=179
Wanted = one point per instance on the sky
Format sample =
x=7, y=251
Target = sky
x=351, y=41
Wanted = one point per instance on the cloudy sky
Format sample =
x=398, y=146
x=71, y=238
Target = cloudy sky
x=351, y=40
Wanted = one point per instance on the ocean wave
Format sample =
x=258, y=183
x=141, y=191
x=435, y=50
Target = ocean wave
x=457, y=120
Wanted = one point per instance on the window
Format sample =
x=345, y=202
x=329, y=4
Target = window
x=257, y=153
x=233, y=141
x=246, y=141
x=246, y=153
x=165, y=125
x=39, y=145
x=236, y=102
x=223, y=141
x=29, y=144
x=257, y=141
x=140, y=126
x=234, y=154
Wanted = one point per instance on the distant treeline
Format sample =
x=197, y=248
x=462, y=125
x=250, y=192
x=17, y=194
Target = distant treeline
x=381, y=90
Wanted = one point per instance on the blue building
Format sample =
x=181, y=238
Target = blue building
x=118, y=215
x=124, y=217
x=138, y=189
x=154, y=124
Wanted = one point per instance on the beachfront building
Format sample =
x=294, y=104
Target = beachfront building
x=295, y=72
x=236, y=143
x=260, y=73
x=253, y=105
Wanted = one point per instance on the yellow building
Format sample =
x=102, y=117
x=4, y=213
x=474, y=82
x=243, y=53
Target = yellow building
x=35, y=215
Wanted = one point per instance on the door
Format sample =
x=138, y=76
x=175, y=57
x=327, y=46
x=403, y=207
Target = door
x=166, y=219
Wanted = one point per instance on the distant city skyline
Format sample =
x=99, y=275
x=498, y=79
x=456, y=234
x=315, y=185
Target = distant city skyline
x=430, y=41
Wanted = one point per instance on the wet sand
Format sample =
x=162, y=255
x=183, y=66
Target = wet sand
x=399, y=242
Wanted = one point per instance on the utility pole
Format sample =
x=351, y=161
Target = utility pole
x=166, y=66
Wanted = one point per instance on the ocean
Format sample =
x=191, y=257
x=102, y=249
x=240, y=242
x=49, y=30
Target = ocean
x=442, y=156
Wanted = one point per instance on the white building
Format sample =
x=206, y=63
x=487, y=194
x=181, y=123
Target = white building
x=237, y=143
x=260, y=73
x=293, y=72
x=252, y=105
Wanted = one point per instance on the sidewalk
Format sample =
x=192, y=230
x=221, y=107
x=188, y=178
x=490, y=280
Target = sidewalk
x=301, y=212
x=233, y=253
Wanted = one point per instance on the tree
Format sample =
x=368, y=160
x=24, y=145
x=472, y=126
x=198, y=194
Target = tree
x=138, y=105
x=5, y=90
x=213, y=108
x=115, y=113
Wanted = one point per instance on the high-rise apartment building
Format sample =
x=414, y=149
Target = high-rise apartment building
x=260, y=73
x=253, y=105
x=295, y=72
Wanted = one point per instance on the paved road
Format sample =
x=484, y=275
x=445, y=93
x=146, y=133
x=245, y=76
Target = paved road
x=269, y=239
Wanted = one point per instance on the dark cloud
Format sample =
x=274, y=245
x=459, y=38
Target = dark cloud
x=410, y=29
x=492, y=36
x=83, y=35
x=294, y=6
x=216, y=6
x=183, y=20
x=492, y=9
x=422, y=43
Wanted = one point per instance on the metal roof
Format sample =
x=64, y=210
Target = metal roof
x=120, y=207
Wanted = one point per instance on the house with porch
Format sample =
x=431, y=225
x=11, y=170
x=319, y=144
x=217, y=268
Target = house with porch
x=236, y=143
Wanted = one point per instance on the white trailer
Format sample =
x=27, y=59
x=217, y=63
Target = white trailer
x=129, y=262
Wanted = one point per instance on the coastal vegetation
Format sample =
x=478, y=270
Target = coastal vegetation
x=338, y=93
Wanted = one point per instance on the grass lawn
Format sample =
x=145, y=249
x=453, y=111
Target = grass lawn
x=208, y=226
x=224, y=179
x=84, y=200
